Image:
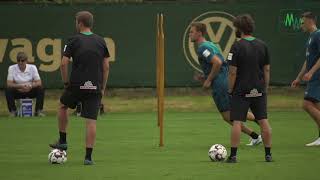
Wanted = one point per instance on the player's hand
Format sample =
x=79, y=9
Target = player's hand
x=307, y=76
x=206, y=84
x=199, y=77
x=295, y=83
x=102, y=92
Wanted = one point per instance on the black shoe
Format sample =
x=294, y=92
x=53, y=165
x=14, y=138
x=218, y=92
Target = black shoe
x=59, y=145
x=232, y=159
x=268, y=158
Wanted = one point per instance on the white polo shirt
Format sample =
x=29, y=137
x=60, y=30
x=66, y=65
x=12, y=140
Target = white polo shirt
x=16, y=75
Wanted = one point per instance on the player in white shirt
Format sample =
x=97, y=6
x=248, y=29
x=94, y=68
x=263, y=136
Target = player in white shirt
x=23, y=81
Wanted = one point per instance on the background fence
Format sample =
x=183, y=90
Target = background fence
x=130, y=31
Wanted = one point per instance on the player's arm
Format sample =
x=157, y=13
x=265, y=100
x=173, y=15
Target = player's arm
x=232, y=59
x=64, y=69
x=216, y=65
x=199, y=77
x=296, y=82
x=266, y=69
x=302, y=71
x=266, y=73
x=307, y=76
x=67, y=54
x=232, y=78
x=105, y=74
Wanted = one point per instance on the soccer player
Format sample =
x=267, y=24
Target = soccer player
x=249, y=73
x=310, y=71
x=215, y=76
x=87, y=83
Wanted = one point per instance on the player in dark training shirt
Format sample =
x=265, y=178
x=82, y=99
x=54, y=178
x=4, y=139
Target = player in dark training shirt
x=249, y=72
x=310, y=71
x=87, y=82
x=215, y=71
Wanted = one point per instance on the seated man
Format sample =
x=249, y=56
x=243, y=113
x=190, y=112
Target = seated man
x=24, y=82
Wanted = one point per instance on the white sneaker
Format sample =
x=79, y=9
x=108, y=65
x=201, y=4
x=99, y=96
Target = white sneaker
x=314, y=143
x=255, y=142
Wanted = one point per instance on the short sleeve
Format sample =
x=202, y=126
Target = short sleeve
x=35, y=75
x=206, y=53
x=68, y=48
x=232, y=57
x=10, y=73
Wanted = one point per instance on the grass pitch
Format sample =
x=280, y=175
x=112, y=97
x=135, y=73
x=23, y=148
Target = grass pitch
x=127, y=148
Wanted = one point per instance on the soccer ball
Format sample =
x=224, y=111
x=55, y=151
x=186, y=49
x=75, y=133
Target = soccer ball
x=57, y=156
x=217, y=152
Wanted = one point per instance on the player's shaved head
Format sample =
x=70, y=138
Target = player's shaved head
x=200, y=27
x=244, y=23
x=86, y=18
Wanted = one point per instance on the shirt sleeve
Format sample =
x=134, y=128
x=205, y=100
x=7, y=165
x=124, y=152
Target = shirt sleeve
x=68, y=48
x=35, y=75
x=232, y=57
x=10, y=74
x=206, y=53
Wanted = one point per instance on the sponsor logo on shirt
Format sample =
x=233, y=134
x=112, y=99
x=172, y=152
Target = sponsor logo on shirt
x=88, y=85
x=254, y=93
x=230, y=56
x=206, y=53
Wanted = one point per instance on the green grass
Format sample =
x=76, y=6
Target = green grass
x=127, y=148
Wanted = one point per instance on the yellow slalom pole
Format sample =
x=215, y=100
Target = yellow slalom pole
x=161, y=79
x=158, y=65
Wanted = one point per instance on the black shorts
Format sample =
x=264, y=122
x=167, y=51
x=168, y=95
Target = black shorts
x=241, y=104
x=90, y=102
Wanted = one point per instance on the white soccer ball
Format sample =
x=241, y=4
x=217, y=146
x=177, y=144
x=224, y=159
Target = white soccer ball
x=57, y=156
x=217, y=152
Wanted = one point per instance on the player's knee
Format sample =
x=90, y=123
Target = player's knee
x=266, y=129
x=265, y=126
x=306, y=105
